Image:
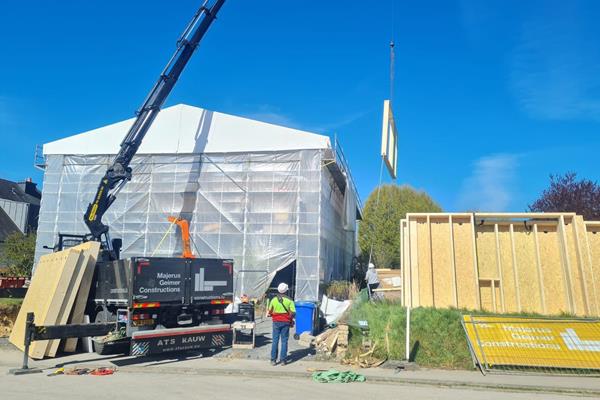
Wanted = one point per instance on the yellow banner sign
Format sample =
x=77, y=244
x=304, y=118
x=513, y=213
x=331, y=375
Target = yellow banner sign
x=534, y=342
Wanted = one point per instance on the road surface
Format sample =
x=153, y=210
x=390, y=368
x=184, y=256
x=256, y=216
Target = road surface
x=127, y=385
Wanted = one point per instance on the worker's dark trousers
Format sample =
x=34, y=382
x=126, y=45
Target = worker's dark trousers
x=371, y=287
x=280, y=330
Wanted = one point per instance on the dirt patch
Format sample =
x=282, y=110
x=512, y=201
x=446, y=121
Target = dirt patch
x=8, y=315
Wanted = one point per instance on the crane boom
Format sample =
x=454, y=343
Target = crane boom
x=120, y=172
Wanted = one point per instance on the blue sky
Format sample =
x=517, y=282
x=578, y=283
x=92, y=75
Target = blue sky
x=490, y=97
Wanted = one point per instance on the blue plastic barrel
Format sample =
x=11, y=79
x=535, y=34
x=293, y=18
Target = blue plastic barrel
x=305, y=317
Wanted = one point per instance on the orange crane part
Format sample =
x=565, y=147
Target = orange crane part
x=185, y=235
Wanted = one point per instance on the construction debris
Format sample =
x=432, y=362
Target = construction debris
x=365, y=360
x=306, y=339
x=333, y=341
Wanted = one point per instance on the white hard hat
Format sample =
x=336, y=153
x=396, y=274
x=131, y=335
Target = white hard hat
x=371, y=265
x=282, y=288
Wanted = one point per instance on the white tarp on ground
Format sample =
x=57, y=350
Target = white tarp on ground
x=264, y=209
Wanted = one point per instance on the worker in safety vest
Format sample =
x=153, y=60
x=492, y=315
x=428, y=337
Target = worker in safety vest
x=283, y=312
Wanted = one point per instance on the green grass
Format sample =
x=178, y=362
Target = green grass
x=437, y=337
x=9, y=301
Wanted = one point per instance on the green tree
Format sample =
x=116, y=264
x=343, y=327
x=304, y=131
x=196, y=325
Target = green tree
x=17, y=254
x=380, y=228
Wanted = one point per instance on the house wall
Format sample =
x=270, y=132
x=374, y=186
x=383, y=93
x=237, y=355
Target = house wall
x=17, y=211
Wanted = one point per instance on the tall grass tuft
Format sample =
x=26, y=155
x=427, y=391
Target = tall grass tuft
x=437, y=337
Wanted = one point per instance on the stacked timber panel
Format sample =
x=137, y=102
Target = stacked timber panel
x=54, y=291
x=545, y=263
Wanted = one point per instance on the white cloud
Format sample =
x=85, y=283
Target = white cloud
x=555, y=66
x=491, y=185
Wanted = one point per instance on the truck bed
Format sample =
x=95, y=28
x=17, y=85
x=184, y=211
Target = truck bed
x=175, y=281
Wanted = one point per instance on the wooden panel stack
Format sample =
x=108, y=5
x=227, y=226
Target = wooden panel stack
x=61, y=282
x=546, y=263
x=390, y=286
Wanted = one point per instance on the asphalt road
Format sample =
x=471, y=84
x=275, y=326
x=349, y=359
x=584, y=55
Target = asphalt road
x=126, y=385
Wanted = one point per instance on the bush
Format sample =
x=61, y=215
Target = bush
x=341, y=290
x=18, y=254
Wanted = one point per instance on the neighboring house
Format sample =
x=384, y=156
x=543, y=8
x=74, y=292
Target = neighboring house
x=19, y=207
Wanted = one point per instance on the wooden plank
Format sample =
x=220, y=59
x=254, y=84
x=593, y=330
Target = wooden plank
x=44, y=296
x=486, y=252
x=467, y=290
x=538, y=265
x=485, y=293
x=553, y=272
x=527, y=278
x=581, y=263
x=593, y=243
x=566, y=264
x=424, y=264
x=499, y=267
x=515, y=267
x=453, y=260
x=414, y=264
x=431, y=254
x=475, y=259
x=68, y=300
x=505, y=253
x=91, y=249
x=402, y=264
x=441, y=256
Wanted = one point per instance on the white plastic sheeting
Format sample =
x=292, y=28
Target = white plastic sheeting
x=263, y=209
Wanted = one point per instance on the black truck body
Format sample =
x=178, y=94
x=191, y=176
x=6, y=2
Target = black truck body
x=165, y=304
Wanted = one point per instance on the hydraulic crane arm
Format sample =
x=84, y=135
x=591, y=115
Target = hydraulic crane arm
x=120, y=172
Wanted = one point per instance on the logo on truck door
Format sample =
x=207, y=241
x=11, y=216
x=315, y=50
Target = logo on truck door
x=202, y=285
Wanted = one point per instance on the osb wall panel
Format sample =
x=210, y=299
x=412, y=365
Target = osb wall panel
x=585, y=266
x=465, y=263
x=553, y=279
x=490, y=295
x=540, y=266
x=527, y=275
x=576, y=276
x=414, y=262
x=507, y=264
x=593, y=241
x=425, y=267
x=486, y=252
x=443, y=277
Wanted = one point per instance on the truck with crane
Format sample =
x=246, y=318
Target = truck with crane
x=159, y=304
